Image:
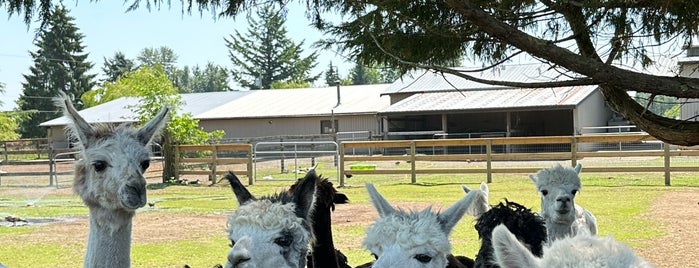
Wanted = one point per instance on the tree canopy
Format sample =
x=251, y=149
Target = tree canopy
x=604, y=43
x=265, y=55
x=59, y=65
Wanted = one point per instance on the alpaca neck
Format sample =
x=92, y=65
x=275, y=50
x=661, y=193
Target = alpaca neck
x=557, y=230
x=109, y=241
x=323, y=247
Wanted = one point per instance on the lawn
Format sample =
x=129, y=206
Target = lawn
x=186, y=226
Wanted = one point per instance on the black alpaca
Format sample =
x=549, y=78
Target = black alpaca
x=323, y=252
x=526, y=225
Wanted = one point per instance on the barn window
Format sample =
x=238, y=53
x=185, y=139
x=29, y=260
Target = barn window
x=326, y=126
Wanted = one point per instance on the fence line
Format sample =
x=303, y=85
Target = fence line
x=580, y=146
x=207, y=158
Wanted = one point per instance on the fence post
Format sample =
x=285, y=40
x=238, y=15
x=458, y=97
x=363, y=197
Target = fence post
x=666, y=149
x=413, y=176
x=250, y=169
x=488, y=159
x=177, y=161
x=574, y=151
x=52, y=168
x=214, y=153
x=341, y=164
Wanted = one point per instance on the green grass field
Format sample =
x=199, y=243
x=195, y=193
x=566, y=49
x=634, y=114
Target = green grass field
x=619, y=202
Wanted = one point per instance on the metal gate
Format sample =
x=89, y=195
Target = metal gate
x=294, y=150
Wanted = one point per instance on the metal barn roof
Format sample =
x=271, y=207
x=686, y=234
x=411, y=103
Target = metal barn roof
x=429, y=81
x=359, y=99
x=118, y=111
x=491, y=99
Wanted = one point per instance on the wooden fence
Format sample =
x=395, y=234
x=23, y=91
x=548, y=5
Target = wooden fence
x=205, y=159
x=574, y=154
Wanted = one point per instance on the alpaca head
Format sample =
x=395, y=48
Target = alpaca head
x=412, y=239
x=558, y=186
x=272, y=231
x=527, y=226
x=109, y=174
x=589, y=251
x=480, y=205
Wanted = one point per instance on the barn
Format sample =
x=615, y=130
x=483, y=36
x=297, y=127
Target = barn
x=428, y=104
x=258, y=113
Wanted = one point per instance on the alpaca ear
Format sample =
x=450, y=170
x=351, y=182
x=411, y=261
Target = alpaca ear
x=79, y=128
x=153, y=126
x=465, y=188
x=241, y=193
x=451, y=216
x=305, y=195
x=533, y=177
x=509, y=252
x=577, y=168
x=484, y=188
x=381, y=204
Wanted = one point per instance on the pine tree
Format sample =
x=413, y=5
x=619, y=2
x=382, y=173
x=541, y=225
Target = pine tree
x=265, y=54
x=331, y=75
x=362, y=75
x=60, y=65
x=114, y=67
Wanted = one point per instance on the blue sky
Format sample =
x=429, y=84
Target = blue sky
x=197, y=39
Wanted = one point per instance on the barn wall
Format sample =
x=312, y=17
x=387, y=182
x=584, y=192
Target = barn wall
x=592, y=112
x=690, y=109
x=262, y=127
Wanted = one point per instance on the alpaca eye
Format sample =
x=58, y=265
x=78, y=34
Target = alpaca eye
x=544, y=192
x=283, y=241
x=422, y=258
x=232, y=243
x=145, y=164
x=574, y=192
x=99, y=165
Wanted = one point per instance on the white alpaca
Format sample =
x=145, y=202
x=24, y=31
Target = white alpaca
x=272, y=231
x=558, y=186
x=580, y=251
x=109, y=179
x=480, y=205
x=412, y=239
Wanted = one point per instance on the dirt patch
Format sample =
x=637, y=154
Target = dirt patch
x=678, y=214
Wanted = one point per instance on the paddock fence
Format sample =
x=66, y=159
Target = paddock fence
x=208, y=160
x=480, y=155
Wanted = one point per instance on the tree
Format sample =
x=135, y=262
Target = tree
x=265, y=54
x=211, y=79
x=8, y=124
x=593, y=42
x=155, y=90
x=116, y=66
x=362, y=75
x=163, y=56
x=60, y=65
x=332, y=77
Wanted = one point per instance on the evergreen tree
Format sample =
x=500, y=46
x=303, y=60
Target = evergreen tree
x=116, y=66
x=59, y=65
x=331, y=75
x=163, y=56
x=210, y=79
x=362, y=75
x=265, y=54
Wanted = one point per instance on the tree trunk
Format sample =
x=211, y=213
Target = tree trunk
x=169, y=157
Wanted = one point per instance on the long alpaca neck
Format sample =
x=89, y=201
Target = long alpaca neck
x=323, y=248
x=109, y=241
x=557, y=230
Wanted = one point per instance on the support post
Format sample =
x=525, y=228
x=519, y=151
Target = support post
x=666, y=149
x=489, y=159
x=413, y=176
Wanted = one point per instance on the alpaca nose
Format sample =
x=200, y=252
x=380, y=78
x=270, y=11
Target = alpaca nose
x=240, y=253
x=564, y=199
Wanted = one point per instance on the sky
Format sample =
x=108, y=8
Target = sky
x=107, y=28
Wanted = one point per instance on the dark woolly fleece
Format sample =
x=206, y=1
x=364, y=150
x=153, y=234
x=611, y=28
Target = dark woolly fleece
x=526, y=225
